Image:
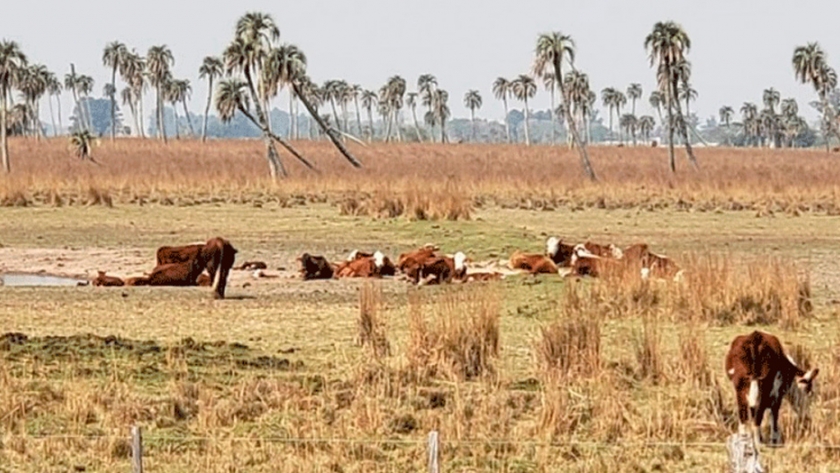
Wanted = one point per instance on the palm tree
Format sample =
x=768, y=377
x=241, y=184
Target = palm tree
x=524, y=87
x=790, y=108
x=810, y=66
x=12, y=61
x=134, y=74
x=332, y=91
x=33, y=86
x=211, y=69
x=634, y=92
x=184, y=91
x=172, y=94
x=82, y=143
x=550, y=82
x=552, y=49
x=159, y=62
x=286, y=65
x=114, y=57
x=579, y=94
x=472, y=100
x=667, y=45
x=656, y=102
x=370, y=100
x=609, y=97
x=54, y=90
x=440, y=109
x=85, y=89
x=110, y=93
x=749, y=116
x=411, y=102
x=127, y=99
x=646, y=124
x=71, y=82
x=726, y=112
x=426, y=85
x=502, y=89
x=396, y=87
x=629, y=123
x=771, y=98
x=687, y=93
x=355, y=91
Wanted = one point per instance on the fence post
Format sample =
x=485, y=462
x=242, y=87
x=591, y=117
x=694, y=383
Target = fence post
x=434, y=452
x=136, y=450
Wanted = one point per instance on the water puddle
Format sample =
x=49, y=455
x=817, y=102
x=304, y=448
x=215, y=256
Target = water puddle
x=39, y=280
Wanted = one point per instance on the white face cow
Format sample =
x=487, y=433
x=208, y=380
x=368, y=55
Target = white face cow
x=460, y=260
x=379, y=259
x=552, y=246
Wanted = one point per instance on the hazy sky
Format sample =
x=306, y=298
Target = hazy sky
x=739, y=47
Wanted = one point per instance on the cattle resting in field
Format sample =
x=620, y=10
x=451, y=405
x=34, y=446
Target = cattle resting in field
x=762, y=375
x=559, y=252
x=443, y=269
x=107, y=281
x=532, y=263
x=315, y=267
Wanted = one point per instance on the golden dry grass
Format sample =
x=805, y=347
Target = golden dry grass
x=423, y=181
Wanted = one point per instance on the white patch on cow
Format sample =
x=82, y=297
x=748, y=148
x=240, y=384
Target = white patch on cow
x=808, y=375
x=752, y=397
x=731, y=371
x=777, y=386
x=742, y=429
x=258, y=274
x=552, y=246
x=645, y=273
x=460, y=261
x=379, y=259
x=616, y=252
x=352, y=255
x=790, y=360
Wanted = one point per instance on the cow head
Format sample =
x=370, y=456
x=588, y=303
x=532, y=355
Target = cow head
x=806, y=381
x=460, y=260
x=552, y=246
x=378, y=259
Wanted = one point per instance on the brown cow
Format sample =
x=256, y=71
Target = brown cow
x=177, y=254
x=533, y=263
x=107, y=281
x=375, y=266
x=137, y=281
x=762, y=375
x=661, y=267
x=603, y=251
x=559, y=252
x=217, y=256
x=315, y=267
x=585, y=263
x=443, y=269
x=410, y=263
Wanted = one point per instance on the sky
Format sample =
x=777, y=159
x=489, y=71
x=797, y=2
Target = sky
x=739, y=47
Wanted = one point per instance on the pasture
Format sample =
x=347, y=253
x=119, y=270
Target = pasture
x=524, y=374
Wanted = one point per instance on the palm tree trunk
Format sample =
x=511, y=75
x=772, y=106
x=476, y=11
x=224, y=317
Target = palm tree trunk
x=159, y=111
x=387, y=136
x=52, y=116
x=472, y=120
x=507, y=123
x=141, y=117
x=370, y=123
x=267, y=107
x=584, y=156
x=86, y=102
x=207, y=108
x=335, y=114
x=359, y=114
x=330, y=133
x=683, y=121
x=397, y=124
x=3, y=140
x=442, y=130
x=553, y=119
x=114, y=102
x=671, y=161
x=58, y=104
x=187, y=114
x=344, y=116
x=292, y=118
x=80, y=122
x=177, y=124
x=527, y=118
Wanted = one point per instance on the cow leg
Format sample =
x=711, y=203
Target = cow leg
x=775, y=433
x=759, y=417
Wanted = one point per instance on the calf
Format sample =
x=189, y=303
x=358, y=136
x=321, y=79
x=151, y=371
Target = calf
x=252, y=265
x=559, y=252
x=533, y=263
x=762, y=375
x=315, y=267
x=107, y=281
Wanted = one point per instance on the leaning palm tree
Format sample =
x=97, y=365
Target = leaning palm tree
x=285, y=65
x=551, y=50
x=82, y=144
x=502, y=89
x=369, y=101
x=667, y=45
x=114, y=57
x=159, y=61
x=472, y=100
x=524, y=88
x=646, y=124
x=634, y=92
x=411, y=102
x=211, y=69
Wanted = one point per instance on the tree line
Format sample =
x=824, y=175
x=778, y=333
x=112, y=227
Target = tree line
x=245, y=79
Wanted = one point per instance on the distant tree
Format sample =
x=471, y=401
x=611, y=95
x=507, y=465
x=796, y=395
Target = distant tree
x=749, y=120
x=54, y=90
x=472, y=100
x=810, y=66
x=771, y=98
x=355, y=91
x=159, y=62
x=634, y=92
x=71, y=82
x=211, y=69
x=134, y=74
x=502, y=89
x=82, y=144
x=12, y=62
x=33, y=83
x=668, y=45
x=85, y=85
x=411, y=102
x=629, y=123
x=656, y=102
x=726, y=112
x=646, y=124
x=114, y=57
x=369, y=101
x=426, y=85
x=524, y=88
x=609, y=97
x=550, y=83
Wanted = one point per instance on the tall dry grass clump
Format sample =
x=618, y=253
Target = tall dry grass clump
x=372, y=330
x=570, y=346
x=456, y=336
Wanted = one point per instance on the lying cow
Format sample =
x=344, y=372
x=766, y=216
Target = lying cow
x=410, y=263
x=660, y=267
x=102, y=280
x=251, y=266
x=443, y=269
x=603, y=251
x=559, y=252
x=585, y=263
x=533, y=263
x=315, y=267
x=375, y=266
x=763, y=375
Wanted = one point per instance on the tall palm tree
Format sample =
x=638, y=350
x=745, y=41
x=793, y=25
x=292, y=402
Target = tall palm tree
x=134, y=74
x=579, y=95
x=524, y=88
x=609, y=97
x=54, y=90
x=667, y=45
x=355, y=91
x=114, y=57
x=127, y=99
x=369, y=101
x=440, y=108
x=472, y=100
x=172, y=94
x=656, y=102
x=550, y=83
x=411, y=102
x=749, y=119
x=810, y=66
x=790, y=108
x=12, y=62
x=211, y=69
x=85, y=89
x=629, y=123
x=332, y=91
x=426, y=85
x=159, y=61
x=71, y=82
x=634, y=92
x=771, y=98
x=33, y=85
x=110, y=93
x=551, y=50
x=726, y=112
x=286, y=65
x=396, y=87
x=502, y=89
x=646, y=124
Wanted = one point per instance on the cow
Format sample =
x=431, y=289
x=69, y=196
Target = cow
x=137, y=281
x=603, y=251
x=533, y=263
x=762, y=375
x=107, y=281
x=409, y=263
x=375, y=266
x=559, y=252
x=177, y=254
x=443, y=269
x=315, y=267
x=217, y=256
x=660, y=267
x=585, y=263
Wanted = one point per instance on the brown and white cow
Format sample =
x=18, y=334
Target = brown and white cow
x=443, y=269
x=660, y=267
x=315, y=267
x=375, y=266
x=410, y=263
x=533, y=263
x=559, y=252
x=585, y=263
x=762, y=375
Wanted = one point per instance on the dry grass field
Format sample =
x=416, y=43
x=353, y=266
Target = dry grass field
x=525, y=374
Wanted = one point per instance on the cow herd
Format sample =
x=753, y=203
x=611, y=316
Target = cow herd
x=760, y=371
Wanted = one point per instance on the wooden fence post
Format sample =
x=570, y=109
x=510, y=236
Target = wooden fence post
x=434, y=452
x=136, y=450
